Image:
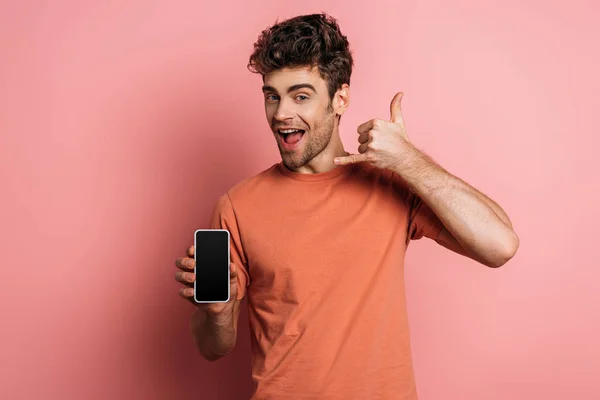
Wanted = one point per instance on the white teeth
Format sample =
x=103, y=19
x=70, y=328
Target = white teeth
x=287, y=131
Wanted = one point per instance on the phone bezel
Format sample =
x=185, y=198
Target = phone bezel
x=228, y=264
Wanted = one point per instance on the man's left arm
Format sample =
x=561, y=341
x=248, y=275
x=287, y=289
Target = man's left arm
x=474, y=225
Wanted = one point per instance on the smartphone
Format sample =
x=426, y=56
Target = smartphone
x=211, y=253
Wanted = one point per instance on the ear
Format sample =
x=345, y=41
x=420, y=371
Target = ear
x=341, y=99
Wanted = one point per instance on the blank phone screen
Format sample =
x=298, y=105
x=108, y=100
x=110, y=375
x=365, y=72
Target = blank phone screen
x=212, y=265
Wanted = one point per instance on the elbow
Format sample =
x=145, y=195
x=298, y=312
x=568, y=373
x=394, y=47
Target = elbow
x=509, y=248
x=212, y=352
x=213, y=355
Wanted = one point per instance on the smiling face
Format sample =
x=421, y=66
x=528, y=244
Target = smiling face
x=301, y=113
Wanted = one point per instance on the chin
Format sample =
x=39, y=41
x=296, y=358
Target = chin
x=293, y=160
x=290, y=161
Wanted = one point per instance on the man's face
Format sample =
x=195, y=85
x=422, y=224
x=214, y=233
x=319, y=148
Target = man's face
x=300, y=113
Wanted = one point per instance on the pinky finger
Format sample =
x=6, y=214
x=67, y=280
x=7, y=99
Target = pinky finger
x=186, y=293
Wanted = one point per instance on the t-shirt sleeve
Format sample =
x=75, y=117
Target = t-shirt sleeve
x=223, y=217
x=422, y=221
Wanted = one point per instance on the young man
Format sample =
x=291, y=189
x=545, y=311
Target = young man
x=318, y=240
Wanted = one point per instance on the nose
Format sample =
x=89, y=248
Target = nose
x=284, y=111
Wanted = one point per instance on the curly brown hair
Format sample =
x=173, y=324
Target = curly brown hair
x=308, y=40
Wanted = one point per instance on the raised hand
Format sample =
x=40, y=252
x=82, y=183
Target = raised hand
x=381, y=142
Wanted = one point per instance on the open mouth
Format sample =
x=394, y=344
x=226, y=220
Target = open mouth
x=291, y=136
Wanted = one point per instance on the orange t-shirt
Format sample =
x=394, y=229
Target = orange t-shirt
x=322, y=265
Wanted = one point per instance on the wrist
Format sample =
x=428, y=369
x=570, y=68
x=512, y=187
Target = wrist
x=407, y=162
x=419, y=172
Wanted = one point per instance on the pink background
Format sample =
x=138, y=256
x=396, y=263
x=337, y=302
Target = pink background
x=121, y=122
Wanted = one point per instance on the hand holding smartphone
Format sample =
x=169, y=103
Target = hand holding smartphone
x=207, y=272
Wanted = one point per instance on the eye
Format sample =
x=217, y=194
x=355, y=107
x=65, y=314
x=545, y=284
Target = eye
x=271, y=98
x=302, y=97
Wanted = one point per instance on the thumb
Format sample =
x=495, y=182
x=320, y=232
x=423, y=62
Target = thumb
x=234, y=289
x=396, y=109
x=233, y=271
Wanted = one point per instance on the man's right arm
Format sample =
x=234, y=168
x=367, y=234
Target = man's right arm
x=214, y=326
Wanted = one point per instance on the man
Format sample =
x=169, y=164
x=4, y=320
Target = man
x=318, y=240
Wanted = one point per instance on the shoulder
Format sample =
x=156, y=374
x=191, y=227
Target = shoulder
x=249, y=188
x=384, y=182
x=252, y=183
x=241, y=194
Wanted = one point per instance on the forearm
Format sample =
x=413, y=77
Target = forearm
x=495, y=207
x=500, y=213
x=214, y=334
x=477, y=223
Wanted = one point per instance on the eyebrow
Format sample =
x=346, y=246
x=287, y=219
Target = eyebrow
x=267, y=88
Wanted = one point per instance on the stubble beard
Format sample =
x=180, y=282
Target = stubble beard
x=314, y=142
